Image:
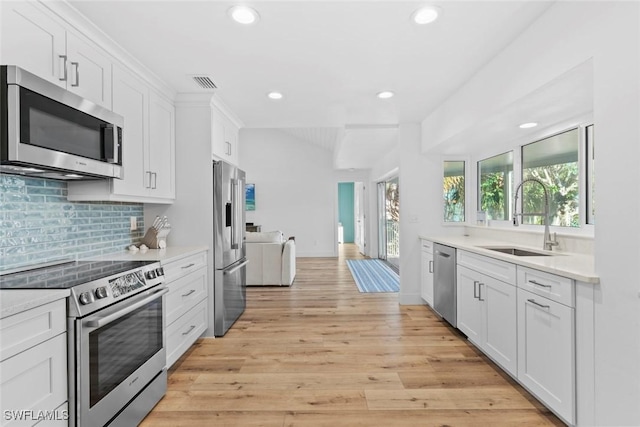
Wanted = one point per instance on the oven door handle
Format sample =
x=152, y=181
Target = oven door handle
x=101, y=321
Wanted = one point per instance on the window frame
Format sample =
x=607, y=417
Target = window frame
x=584, y=196
x=466, y=203
x=510, y=186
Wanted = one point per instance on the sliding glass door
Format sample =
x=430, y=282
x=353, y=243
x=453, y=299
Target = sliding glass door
x=389, y=221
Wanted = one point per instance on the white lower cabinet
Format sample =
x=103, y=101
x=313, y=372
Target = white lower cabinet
x=426, y=269
x=33, y=372
x=182, y=333
x=487, y=315
x=186, y=303
x=546, y=352
x=527, y=327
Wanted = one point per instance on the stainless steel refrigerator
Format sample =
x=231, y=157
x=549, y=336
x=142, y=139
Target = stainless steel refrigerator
x=230, y=276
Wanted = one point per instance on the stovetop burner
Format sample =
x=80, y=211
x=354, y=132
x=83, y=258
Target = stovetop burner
x=67, y=275
x=93, y=285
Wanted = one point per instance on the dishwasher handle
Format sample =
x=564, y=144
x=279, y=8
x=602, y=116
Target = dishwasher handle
x=442, y=254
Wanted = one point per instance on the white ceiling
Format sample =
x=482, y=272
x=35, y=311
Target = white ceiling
x=328, y=58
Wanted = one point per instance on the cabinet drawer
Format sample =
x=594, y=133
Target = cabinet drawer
x=24, y=330
x=185, y=331
x=495, y=268
x=427, y=246
x=184, y=293
x=175, y=269
x=556, y=288
x=35, y=380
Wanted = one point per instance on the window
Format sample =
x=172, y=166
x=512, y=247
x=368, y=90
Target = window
x=453, y=191
x=495, y=180
x=591, y=177
x=554, y=161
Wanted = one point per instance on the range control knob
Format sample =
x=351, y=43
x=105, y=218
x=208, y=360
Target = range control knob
x=160, y=271
x=151, y=274
x=101, y=292
x=85, y=298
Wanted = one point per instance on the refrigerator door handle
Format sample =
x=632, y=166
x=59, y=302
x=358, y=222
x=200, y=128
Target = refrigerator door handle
x=234, y=214
x=239, y=212
x=236, y=268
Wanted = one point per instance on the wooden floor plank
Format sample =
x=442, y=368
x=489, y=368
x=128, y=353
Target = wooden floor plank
x=320, y=353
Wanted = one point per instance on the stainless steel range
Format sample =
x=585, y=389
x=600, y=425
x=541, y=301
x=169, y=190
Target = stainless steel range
x=116, y=336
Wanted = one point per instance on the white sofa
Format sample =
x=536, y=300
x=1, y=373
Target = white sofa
x=272, y=259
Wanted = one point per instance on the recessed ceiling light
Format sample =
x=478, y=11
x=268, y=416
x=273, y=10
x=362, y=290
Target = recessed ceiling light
x=243, y=15
x=425, y=15
x=274, y=95
x=385, y=94
x=528, y=125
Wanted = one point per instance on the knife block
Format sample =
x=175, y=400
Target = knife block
x=156, y=239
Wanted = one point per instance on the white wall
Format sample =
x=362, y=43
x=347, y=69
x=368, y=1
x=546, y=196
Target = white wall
x=296, y=188
x=568, y=34
x=413, y=211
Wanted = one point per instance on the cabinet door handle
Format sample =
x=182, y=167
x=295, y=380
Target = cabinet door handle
x=539, y=284
x=430, y=266
x=63, y=67
x=188, y=266
x=188, y=293
x=480, y=284
x=475, y=289
x=148, y=173
x=190, y=329
x=228, y=151
x=77, y=73
x=155, y=181
x=532, y=301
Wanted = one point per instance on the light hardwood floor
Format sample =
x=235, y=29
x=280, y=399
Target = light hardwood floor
x=322, y=354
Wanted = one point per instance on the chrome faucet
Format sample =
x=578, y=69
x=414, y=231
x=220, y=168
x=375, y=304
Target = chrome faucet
x=548, y=243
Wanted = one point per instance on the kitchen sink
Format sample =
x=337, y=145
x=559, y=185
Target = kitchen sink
x=516, y=251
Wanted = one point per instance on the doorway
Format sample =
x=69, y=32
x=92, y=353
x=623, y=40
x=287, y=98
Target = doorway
x=351, y=214
x=389, y=221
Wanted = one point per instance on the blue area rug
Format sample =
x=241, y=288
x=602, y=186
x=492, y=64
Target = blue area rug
x=373, y=275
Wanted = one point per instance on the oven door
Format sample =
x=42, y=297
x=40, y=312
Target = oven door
x=120, y=350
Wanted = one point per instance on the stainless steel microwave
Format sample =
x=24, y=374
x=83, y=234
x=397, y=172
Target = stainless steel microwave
x=49, y=132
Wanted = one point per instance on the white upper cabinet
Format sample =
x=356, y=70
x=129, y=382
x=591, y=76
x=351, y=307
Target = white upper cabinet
x=148, y=147
x=224, y=133
x=35, y=40
x=88, y=71
x=160, y=160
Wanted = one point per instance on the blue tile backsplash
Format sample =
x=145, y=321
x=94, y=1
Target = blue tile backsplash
x=38, y=224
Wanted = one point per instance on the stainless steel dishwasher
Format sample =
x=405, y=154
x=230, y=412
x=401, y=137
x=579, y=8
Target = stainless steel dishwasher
x=444, y=291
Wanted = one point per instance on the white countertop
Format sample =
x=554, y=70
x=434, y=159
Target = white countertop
x=168, y=254
x=14, y=301
x=574, y=266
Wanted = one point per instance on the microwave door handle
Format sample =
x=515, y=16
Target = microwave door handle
x=101, y=321
x=111, y=147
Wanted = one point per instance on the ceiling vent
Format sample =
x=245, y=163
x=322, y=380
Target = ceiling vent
x=204, y=82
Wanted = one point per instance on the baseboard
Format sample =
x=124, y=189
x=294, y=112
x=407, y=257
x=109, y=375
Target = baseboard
x=409, y=299
x=316, y=255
